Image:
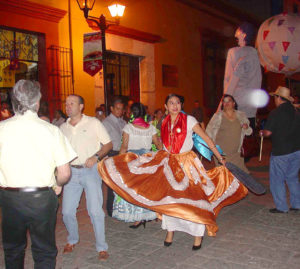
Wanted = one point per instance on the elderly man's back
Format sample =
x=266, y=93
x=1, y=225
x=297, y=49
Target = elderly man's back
x=30, y=150
x=28, y=146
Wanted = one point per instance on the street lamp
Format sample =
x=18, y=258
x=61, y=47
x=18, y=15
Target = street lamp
x=116, y=11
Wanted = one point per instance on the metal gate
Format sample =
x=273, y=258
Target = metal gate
x=60, y=73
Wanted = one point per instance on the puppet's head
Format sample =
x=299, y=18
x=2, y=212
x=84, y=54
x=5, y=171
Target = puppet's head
x=245, y=34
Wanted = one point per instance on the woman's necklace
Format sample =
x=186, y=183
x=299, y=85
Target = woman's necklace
x=171, y=132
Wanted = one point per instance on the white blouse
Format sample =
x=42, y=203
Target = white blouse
x=139, y=138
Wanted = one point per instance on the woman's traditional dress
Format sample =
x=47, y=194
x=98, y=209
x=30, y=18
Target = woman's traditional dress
x=139, y=142
x=173, y=182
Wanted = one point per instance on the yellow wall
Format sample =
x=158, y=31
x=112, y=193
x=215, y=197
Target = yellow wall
x=177, y=24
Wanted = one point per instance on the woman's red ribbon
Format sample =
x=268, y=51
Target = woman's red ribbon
x=173, y=138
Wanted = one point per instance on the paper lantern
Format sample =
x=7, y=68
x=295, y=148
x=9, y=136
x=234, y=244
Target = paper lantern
x=278, y=44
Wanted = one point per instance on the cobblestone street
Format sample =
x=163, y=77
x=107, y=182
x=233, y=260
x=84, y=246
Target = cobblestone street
x=249, y=237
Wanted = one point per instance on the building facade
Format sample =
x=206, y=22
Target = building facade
x=159, y=47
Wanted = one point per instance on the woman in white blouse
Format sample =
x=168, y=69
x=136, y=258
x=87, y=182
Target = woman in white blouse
x=137, y=137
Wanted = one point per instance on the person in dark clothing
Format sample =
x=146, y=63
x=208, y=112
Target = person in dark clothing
x=283, y=125
x=197, y=112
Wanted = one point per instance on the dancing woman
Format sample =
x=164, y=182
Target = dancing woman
x=137, y=138
x=173, y=181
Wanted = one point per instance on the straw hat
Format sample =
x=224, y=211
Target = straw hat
x=283, y=92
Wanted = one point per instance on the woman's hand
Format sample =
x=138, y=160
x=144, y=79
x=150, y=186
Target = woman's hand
x=222, y=161
x=199, y=131
x=124, y=145
x=157, y=142
x=245, y=126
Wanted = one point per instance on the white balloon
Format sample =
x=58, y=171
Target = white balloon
x=278, y=43
x=259, y=98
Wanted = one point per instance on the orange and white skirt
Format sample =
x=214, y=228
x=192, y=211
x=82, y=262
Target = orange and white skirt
x=175, y=185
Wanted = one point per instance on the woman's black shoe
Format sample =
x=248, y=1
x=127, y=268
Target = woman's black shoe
x=167, y=244
x=196, y=247
x=138, y=225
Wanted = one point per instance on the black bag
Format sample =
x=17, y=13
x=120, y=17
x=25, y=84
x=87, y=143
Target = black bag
x=250, y=147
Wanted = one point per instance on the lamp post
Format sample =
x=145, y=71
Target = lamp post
x=116, y=11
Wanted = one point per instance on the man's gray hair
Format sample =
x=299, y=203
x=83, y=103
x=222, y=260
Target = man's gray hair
x=25, y=96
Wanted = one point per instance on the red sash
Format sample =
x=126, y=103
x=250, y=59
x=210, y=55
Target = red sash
x=173, y=138
x=141, y=122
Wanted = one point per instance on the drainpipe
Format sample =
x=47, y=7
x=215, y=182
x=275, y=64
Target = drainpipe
x=71, y=43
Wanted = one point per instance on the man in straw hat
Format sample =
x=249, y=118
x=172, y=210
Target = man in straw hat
x=283, y=125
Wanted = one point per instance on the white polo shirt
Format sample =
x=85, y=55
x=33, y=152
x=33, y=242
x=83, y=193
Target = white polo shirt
x=30, y=150
x=85, y=137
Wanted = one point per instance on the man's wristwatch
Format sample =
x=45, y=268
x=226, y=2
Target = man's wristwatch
x=98, y=157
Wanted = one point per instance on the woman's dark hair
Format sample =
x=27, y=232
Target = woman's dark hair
x=232, y=98
x=180, y=97
x=138, y=110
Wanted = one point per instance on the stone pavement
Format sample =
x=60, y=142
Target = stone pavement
x=249, y=237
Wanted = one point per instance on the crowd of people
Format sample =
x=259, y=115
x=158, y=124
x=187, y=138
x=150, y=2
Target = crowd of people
x=142, y=182
x=146, y=162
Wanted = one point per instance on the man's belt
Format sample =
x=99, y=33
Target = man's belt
x=26, y=189
x=79, y=166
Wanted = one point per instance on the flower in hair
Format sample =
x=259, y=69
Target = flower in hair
x=131, y=118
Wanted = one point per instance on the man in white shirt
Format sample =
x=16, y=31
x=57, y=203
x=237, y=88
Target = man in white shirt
x=114, y=125
x=86, y=134
x=31, y=149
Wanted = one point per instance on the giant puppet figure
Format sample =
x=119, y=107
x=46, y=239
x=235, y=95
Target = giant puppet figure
x=243, y=71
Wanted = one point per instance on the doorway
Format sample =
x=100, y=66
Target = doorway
x=122, y=76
